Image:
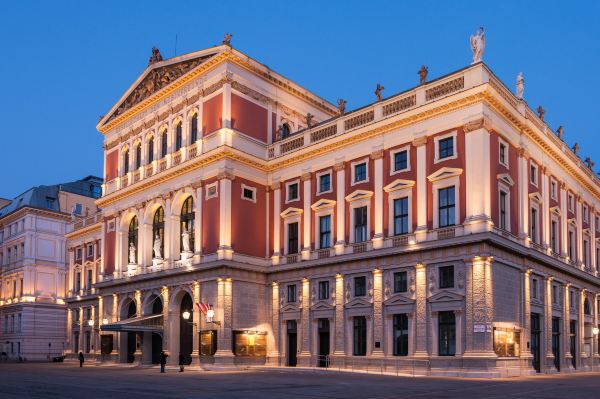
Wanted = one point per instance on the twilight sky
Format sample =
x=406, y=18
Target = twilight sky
x=65, y=63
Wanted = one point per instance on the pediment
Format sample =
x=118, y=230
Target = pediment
x=156, y=76
x=446, y=296
x=322, y=204
x=359, y=195
x=505, y=178
x=289, y=307
x=358, y=303
x=572, y=222
x=291, y=212
x=322, y=305
x=398, y=299
x=555, y=210
x=399, y=184
x=444, y=173
x=536, y=197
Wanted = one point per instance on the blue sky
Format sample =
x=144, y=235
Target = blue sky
x=65, y=63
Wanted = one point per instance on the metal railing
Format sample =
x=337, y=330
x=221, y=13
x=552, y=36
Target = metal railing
x=405, y=367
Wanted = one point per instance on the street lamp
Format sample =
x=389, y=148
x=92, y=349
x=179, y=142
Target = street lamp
x=186, y=314
x=91, y=323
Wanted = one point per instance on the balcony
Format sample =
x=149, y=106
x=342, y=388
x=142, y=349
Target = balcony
x=85, y=222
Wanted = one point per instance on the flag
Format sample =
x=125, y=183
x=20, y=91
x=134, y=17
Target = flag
x=204, y=307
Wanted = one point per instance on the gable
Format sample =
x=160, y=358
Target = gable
x=358, y=303
x=444, y=173
x=505, y=178
x=399, y=184
x=446, y=296
x=359, y=195
x=291, y=212
x=322, y=204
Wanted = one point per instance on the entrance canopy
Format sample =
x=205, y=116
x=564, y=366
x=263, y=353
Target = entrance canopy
x=152, y=323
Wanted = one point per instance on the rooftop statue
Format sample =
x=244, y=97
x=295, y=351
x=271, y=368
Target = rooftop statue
x=541, y=112
x=341, y=106
x=227, y=39
x=560, y=132
x=478, y=45
x=378, y=91
x=589, y=162
x=423, y=74
x=309, y=118
x=520, y=86
x=155, y=57
x=575, y=148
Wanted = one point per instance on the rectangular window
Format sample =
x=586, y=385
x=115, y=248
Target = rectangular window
x=400, y=160
x=571, y=247
x=554, y=294
x=325, y=183
x=533, y=174
x=360, y=172
x=292, y=192
x=571, y=299
x=78, y=254
x=585, y=214
x=291, y=293
x=446, y=206
x=50, y=202
x=503, y=153
x=400, y=335
x=88, y=283
x=446, y=276
x=401, y=216
x=553, y=189
x=534, y=222
x=293, y=238
x=323, y=290
x=503, y=210
x=360, y=224
x=570, y=202
x=360, y=336
x=248, y=194
x=400, y=283
x=585, y=252
x=360, y=286
x=534, y=288
x=325, y=231
x=447, y=333
x=77, y=281
x=553, y=235
x=506, y=342
x=446, y=147
x=90, y=250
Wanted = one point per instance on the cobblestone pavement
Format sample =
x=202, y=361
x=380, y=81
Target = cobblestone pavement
x=43, y=380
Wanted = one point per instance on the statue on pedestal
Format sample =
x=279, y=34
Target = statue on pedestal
x=560, y=132
x=185, y=240
x=227, y=39
x=541, y=112
x=156, y=247
x=131, y=254
x=341, y=106
x=423, y=74
x=520, y=86
x=478, y=45
x=378, y=91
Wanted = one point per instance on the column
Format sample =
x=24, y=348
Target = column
x=549, y=362
x=523, y=189
x=306, y=216
x=120, y=259
x=564, y=235
x=378, y=237
x=81, y=321
x=526, y=314
x=198, y=222
x=421, y=311
x=545, y=208
x=69, y=330
x=224, y=310
x=138, y=336
x=477, y=176
x=339, y=349
x=225, y=178
x=166, y=331
x=458, y=315
x=377, y=313
x=304, y=355
x=274, y=352
x=566, y=345
x=581, y=332
x=340, y=211
x=595, y=347
x=579, y=231
x=421, y=230
x=196, y=321
x=226, y=112
x=276, y=188
x=100, y=318
x=93, y=340
x=171, y=239
x=479, y=308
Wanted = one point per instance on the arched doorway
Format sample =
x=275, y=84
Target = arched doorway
x=186, y=329
x=128, y=339
x=157, y=341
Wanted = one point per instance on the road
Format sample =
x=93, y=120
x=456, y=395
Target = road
x=42, y=380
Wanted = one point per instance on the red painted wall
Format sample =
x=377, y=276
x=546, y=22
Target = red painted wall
x=361, y=186
x=249, y=118
x=210, y=221
x=212, y=111
x=248, y=227
x=388, y=178
x=314, y=186
x=294, y=204
x=513, y=171
x=112, y=165
x=110, y=242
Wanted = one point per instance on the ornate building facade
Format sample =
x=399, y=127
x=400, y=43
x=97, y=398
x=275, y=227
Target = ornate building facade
x=34, y=266
x=446, y=227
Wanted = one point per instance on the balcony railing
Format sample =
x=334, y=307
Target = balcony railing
x=446, y=233
x=88, y=221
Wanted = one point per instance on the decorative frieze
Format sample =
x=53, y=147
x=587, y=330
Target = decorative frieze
x=445, y=88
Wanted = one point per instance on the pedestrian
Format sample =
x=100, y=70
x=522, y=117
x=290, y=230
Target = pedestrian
x=181, y=362
x=81, y=359
x=163, y=361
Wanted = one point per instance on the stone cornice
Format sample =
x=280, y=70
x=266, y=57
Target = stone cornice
x=96, y=227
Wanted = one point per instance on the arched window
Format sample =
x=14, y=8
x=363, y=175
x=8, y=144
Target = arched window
x=586, y=307
x=285, y=131
x=178, y=136
x=158, y=229
x=132, y=236
x=138, y=156
x=164, y=145
x=126, y=162
x=150, y=150
x=194, y=129
x=187, y=222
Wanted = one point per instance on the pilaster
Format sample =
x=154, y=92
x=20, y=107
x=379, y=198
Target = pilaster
x=306, y=216
x=224, y=310
x=477, y=176
x=340, y=212
x=225, y=250
x=339, y=347
x=421, y=230
x=378, y=322
x=276, y=187
x=377, y=156
x=479, y=308
x=304, y=355
x=421, y=338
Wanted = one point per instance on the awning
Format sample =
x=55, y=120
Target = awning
x=152, y=323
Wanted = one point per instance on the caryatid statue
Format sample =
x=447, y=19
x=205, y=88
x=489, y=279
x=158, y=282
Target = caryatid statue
x=185, y=240
x=520, y=86
x=131, y=254
x=156, y=247
x=478, y=45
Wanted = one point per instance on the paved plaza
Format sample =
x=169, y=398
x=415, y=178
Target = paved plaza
x=39, y=380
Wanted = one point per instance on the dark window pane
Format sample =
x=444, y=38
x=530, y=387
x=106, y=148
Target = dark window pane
x=293, y=238
x=400, y=160
x=446, y=276
x=360, y=286
x=446, y=147
x=360, y=172
x=360, y=336
x=360, y=224
x=400, y=335
x=325, y=231
x=400, y=283
x=447, y=333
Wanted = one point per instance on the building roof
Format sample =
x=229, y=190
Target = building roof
x=46, y=197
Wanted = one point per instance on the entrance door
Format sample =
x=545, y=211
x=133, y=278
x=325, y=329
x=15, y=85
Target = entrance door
x=573, y=342
x=156, y=348
x=186, y=330
x=535, y=340
x=292, y=343
x=556, y=342
x=323, y=326
x=131, y=338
